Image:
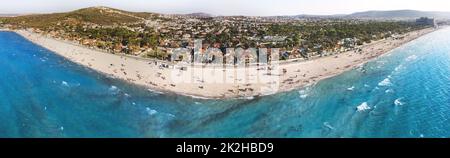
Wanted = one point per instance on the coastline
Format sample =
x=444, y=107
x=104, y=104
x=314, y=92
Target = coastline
x=148, y=73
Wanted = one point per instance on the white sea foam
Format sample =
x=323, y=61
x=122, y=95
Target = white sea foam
x=385, y=82
x=199, y=97
x=241, y=98
x=389, y=91
x=398, y=102
x=113, y=89
x=64, y=83
x=303, y=94
x=398, y=68
x=411, y=58
x=250, y=98
x=154, y=91
x=171, y=115
x=363, y=107
x=151, y=111
x=351, y=88
x=327, y=124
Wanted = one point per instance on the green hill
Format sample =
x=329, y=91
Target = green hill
x=94, y=15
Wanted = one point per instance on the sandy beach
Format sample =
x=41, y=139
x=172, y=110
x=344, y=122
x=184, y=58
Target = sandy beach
x=217, y=81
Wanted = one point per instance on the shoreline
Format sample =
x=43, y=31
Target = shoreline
x=285, y=77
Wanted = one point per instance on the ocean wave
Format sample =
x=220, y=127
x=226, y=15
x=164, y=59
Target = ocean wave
x=389, y=91
x=398, y=68
x=113, y=88
x=411, y=58
x=363, y=107
x=360, y=68
x=303, y=94
x=351, y=88
x=171, y=115
x=64, y=83
x=327, y=124
x=385, y=82
x=151, y=111
x=203, y=98
x=398, y=102
x=154, y=91
x=250, y=98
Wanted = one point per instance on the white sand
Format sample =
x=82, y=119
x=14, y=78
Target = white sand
x=198, y=81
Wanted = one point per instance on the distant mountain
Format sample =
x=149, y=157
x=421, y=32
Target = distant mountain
x=398, y=14
x=306, y=16
x=380, y=15
x=8, y=15
x=199, y=15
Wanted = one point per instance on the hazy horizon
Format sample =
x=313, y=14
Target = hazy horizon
x=226, y=7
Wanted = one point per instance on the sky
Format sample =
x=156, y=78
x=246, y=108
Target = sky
x=226, y=7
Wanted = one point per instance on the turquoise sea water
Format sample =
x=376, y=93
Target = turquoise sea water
x=402, y=94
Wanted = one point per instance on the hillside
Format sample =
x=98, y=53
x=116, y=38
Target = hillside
x=94, y=15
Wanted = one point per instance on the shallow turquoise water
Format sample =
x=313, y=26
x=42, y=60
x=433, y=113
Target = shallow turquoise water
x=407, y=94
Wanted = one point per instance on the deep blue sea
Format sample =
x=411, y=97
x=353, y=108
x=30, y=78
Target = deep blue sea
x=402, y=94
